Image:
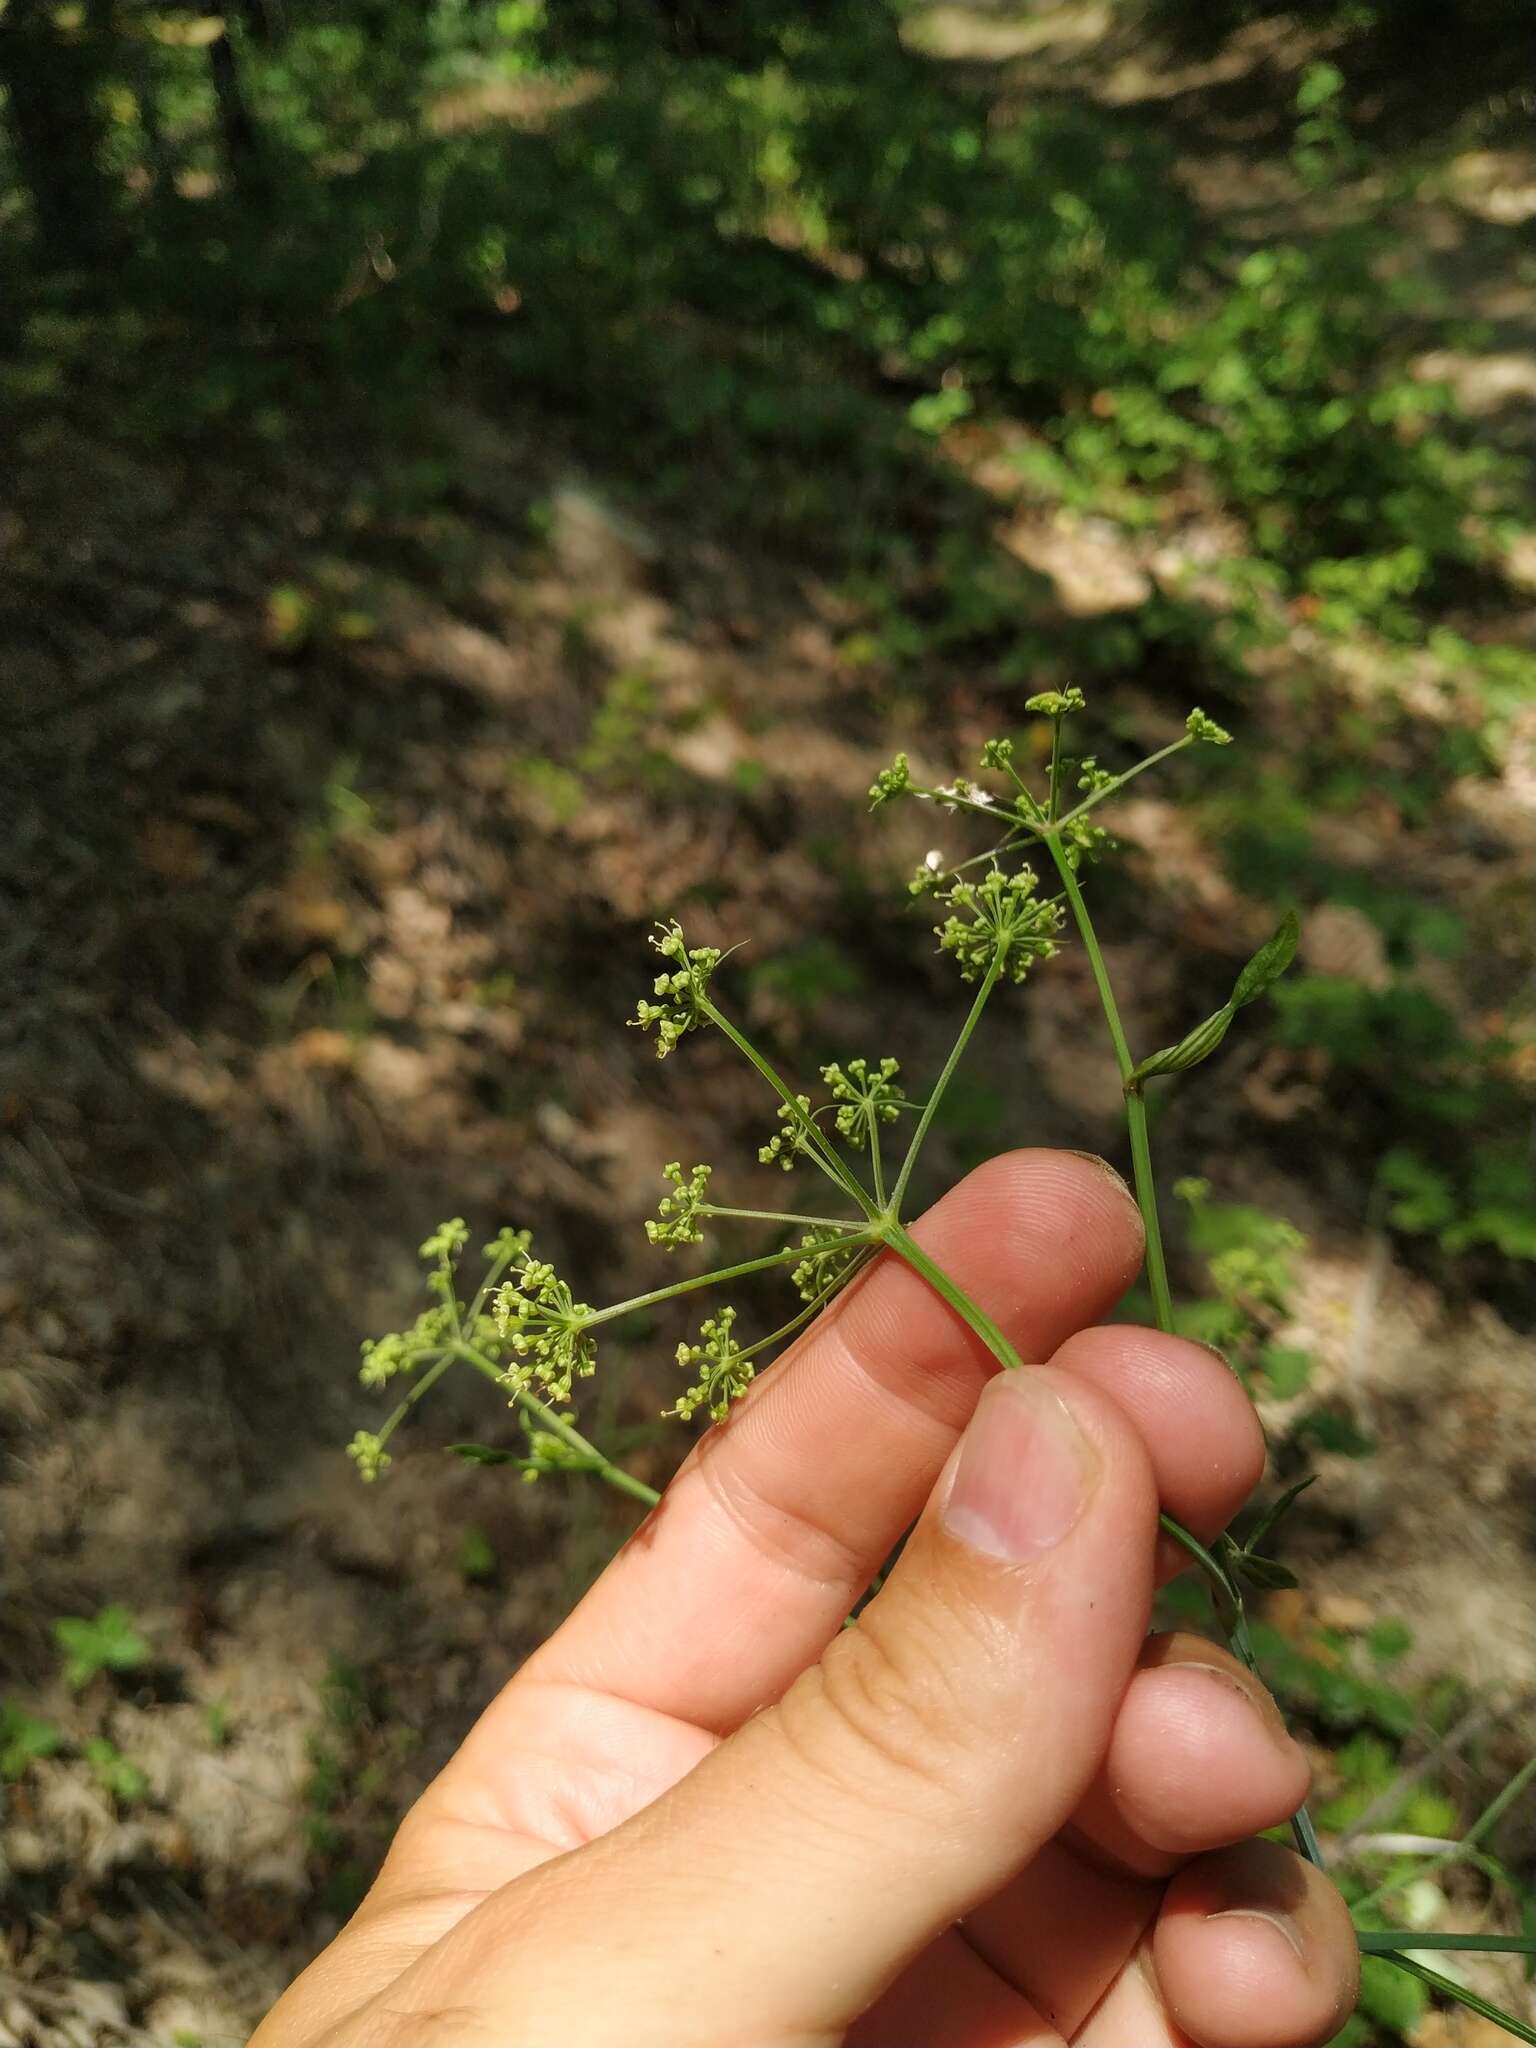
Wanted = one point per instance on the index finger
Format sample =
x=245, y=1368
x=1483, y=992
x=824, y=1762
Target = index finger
x=777, y=1521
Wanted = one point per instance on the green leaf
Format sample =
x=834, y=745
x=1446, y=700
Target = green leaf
x=1390, y=1997
x=1198, y=1045
x=483, y=1454
x=1286, y=1370
x=23, y=1739
x=1266, y=1572
x=1387, y=1641
x=1320, y=84
x=1331, y=1431
x=1262, y=971
x=1269, y=963
x=124, y=1780
x=1277, y=1510
x=1460, y=1994
x=110, y=1642
x=477, y=1555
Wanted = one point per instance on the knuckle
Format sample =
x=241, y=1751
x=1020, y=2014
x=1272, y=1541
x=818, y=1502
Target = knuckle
x=882, y=1704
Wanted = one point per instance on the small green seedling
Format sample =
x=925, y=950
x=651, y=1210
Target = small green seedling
x=24, y=1739
x=1004, y=911
x=109, y=1642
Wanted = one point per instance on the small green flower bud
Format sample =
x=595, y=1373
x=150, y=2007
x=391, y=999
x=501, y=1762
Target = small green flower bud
x=1056, y=703
x=1199, y=727
x=890, y=782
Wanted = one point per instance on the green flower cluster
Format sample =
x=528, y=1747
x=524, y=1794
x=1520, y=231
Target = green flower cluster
x=545, y=1329
x=890, y=782
x=830, y=1262
x=403, y=1350
x=999, y=921
x=367, y=1452
x=866, y=1096
x=1200, y=727
x=677, y=1215
x=790, y=1144
x=722, y=1370
x=679, y=991
x=1056, y=703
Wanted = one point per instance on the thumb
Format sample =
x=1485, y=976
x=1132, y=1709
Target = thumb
x=775, y=1892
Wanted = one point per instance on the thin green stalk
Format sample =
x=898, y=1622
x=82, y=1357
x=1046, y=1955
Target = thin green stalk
x=424, y=1385
x=493, y=1273
x=1135, y=1103
x=1449, y=1988
x=936, y=1095
x=1483, y=1826
x=557, y=1426
x=1110, y=789
x=796, y=1323
x=943, y=798
x=1384, y=1940
x=791, y=1255
x=876, y=1163
x=818, y=1147
x=781, y=1216
x=1235, y=1620
x=906, y=1247
x=1146, y=1197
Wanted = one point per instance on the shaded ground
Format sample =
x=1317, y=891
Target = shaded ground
x=346, y=802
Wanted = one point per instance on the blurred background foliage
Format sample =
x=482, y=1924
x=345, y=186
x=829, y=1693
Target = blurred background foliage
x=485, y=473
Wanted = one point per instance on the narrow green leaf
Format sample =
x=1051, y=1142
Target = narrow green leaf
x=483, y=1454
x=1459, y=1993
x=1381, y=1941
x=1269, y=963
x=1198, y=1045
x=1277, y=1510
x=1262, y=971
x=1266, y=1572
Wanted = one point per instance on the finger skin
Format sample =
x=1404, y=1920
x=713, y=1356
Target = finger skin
x=778, y=1520
x=1131, y=2013
x=1200, y=1428
x=1199, y=1759
x=949, y=1998
x=1061, y=1931
x=1255, y=1949
x=810, y=1857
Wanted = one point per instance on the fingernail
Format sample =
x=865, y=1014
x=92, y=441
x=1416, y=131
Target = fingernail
x=1257, y=1701
x=1270, y=1916
x=1025, y=1473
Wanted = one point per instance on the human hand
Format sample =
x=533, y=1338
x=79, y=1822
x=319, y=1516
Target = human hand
x=993, y=1815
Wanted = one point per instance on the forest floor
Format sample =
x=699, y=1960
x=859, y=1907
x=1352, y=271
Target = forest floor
x=347, y=817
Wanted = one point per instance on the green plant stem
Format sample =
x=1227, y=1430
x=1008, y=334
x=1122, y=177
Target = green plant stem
x=782, y=1216
x=424, y=1385
x=796, y=1323
x=1135, y=1102
x=936, y=1094
x=823, y=1154
x=792, y=1255
x=1483, y=1826
x=1449, y=1988
x=906, y=1247
x=1376, y=1941
x=604, y=1468
x=876, y=1163
x=1229, y=1593
x=493, y=1273
x=1146, y=1197
x=1112, y=789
